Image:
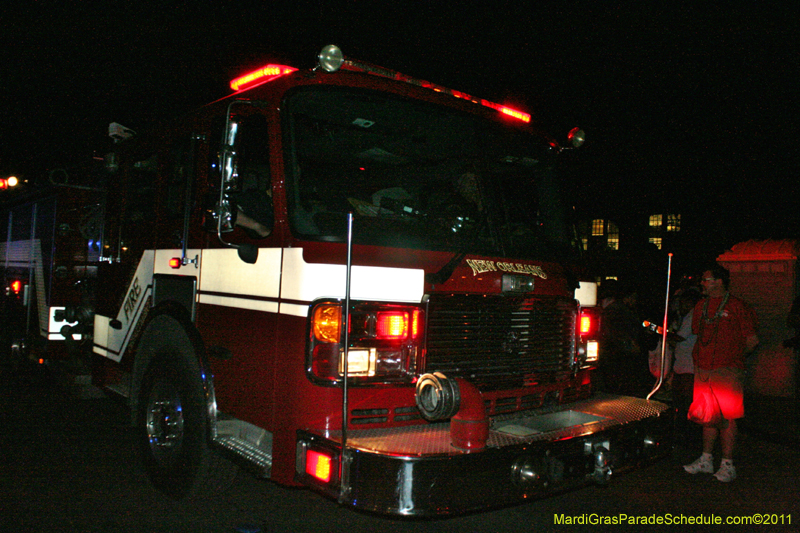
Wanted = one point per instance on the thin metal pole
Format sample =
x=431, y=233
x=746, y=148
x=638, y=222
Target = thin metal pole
x=8, y=237
x=663, y=332
x=346, y=352
x=31, y=268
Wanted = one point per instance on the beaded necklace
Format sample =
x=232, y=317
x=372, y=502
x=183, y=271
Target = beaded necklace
x=719, y=309
x=713, y=320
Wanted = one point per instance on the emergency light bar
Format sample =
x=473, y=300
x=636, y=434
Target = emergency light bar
x=262, y=75
x=393, y=75
x=331, y=60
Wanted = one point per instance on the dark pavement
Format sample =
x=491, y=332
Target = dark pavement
x=68, y=465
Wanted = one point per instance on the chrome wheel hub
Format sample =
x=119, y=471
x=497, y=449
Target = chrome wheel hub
x=165, y=422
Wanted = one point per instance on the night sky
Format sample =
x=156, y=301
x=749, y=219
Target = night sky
x=692, y=106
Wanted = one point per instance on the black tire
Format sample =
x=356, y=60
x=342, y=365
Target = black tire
x=173, y=426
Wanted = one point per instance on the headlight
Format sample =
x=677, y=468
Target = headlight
x=592, y=352
x=385, y=342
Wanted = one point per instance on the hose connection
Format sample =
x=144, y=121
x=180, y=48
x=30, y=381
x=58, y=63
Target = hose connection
x=439, y=398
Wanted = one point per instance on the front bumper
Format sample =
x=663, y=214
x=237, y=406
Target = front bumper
x=415, y=471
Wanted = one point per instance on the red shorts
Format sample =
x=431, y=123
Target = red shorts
x=726, y=384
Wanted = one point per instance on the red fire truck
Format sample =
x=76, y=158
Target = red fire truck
x=345, y=221
x=51, y=238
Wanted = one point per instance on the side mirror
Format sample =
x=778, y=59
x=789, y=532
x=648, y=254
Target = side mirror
x=230, y=171
x=247, y=253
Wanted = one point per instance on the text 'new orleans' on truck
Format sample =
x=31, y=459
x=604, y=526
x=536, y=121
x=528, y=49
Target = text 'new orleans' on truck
x=352, y=221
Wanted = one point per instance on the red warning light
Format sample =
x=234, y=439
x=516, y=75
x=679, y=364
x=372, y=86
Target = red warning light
x=175, y=262
x=511, y=112
x=16, y=286
x=262, y=75
x=358, y=66
x=586, y=324
x=519, y=115
x=392, y=325
x=319, y=465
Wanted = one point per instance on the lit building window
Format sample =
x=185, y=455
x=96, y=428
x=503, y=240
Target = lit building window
x=656, y=221
x=598, y=227
x=673, y=222
x=656, y=241
x=585, y=243
x=613, y=236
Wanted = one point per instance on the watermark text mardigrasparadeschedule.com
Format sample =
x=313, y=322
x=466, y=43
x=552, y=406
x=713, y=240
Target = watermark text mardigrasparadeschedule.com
x=622, y=519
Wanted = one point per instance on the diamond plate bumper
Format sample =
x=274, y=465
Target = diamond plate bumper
x=415, y=471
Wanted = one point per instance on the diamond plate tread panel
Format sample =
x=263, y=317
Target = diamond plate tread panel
x=434, y=439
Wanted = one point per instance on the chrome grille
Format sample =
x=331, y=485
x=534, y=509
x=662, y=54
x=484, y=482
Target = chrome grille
x=499, y=342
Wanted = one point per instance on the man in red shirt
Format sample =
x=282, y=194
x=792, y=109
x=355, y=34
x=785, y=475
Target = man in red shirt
x=726, y=330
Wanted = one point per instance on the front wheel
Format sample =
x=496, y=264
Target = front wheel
x=173, y=431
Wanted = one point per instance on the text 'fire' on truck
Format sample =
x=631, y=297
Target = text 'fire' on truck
x=229, y=270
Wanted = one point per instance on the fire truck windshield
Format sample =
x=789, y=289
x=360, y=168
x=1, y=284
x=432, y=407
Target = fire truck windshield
x=416, y=175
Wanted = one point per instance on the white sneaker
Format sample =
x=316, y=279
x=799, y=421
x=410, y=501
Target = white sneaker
x=726, y=472
x=701, y=465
